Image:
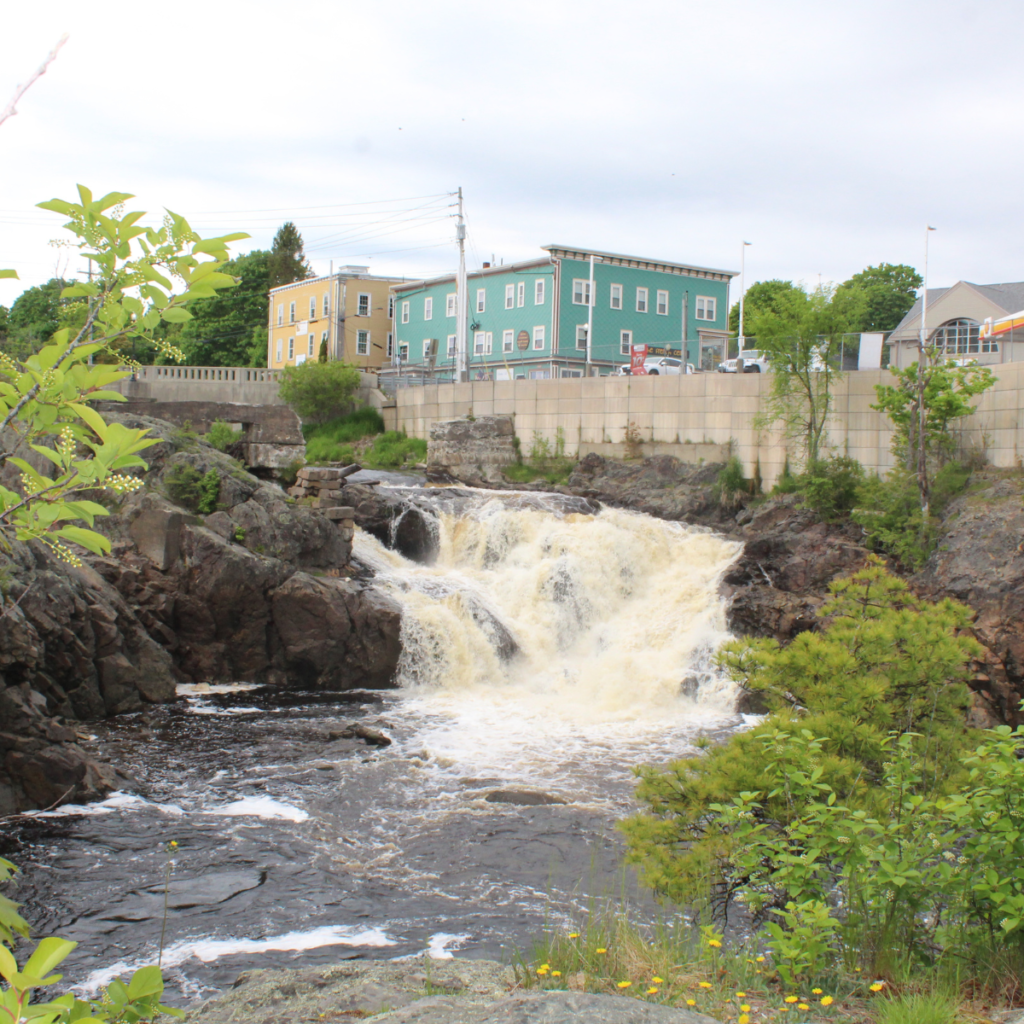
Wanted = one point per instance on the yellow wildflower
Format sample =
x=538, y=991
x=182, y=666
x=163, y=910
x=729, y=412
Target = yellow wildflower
x=624, y=984
x=760, y=959
x=791, y=999
x=815, y=991
x=877, y=987
x=656, y=980
x=743, y=1019
x=744, y=1008
x=826, y=1000
x=691, y=1002
x=705, y=984
x=574, y=935
x=652, y=991
x=802, y=1006
x=740, y=995
x=601, y=950
x=556, y=974
x=714, y=944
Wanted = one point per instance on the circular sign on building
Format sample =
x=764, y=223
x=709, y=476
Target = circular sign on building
x=523, y=341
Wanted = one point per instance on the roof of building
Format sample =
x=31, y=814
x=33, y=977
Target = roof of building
x=482, y=272
x=642, y=262
x=345, y=274
x=1009, y=297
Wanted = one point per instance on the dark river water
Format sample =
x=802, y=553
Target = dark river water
x=293, y=846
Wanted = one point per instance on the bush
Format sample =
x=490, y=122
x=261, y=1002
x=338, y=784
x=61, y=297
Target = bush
x=332, y=441
x=731, y=484
x=319, y=392
x=221, y=436
x=831, y=486
x=198, y=492
x=394, y=449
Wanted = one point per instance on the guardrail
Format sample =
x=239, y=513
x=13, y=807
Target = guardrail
x=224, y=374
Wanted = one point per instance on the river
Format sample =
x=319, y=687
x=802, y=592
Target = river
x=545, y=653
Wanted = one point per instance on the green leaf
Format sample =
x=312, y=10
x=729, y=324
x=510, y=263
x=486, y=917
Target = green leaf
x=146, y=981
x=91, y=416
x=8, y=273
x=50, y=952
x=88, y=539
x=176, y=315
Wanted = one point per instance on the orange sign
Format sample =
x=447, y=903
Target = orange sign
x=637, y=355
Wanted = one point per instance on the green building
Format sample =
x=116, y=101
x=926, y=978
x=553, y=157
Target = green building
x=529, y=319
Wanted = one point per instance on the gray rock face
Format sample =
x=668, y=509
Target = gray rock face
x=471, y=449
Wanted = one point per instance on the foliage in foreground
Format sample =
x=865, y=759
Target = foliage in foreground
x=860, y=823
x=43, y=398
x=319, y=392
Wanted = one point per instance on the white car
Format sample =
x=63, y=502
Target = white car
x=657, y=366
x=752, y=362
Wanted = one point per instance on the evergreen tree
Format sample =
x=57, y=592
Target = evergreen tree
x=288, y=262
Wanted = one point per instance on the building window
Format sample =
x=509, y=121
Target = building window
x=705, y=308
x=581, y=336
x=510, y=296
x=428, y=309
x=662, y=306
x=327, y=304
x=391, y=344
x=391, y=307
x=481, y=300
x=540, y=374
x=363, y=308
x=507, y=340
x=403, y=350
x=625, y=342
x=312, y=307
x=538, y=292
x=451, y=346
x=538, y=338
x=291, y=348
x=960, y=338
x=641, y=300
x=280, y=315
x=566, y=372
x=362, y=343
x=291, y=313
x=580, y=292
x=451, y=304
x=615, y=296
x=521, y=294
x=427, y=342
x=311, y=342
x=279, y=344
x=482, y=342
x=405, y=312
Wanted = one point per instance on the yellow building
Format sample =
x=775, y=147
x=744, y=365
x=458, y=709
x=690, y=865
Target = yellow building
x=349, y=310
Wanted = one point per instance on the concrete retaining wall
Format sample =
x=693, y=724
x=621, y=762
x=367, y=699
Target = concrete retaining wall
x=708, y=408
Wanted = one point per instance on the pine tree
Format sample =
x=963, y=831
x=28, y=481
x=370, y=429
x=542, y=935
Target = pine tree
x=288, y=262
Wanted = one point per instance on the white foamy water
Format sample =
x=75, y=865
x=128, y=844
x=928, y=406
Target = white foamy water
x=614, y=619
x=260, y=807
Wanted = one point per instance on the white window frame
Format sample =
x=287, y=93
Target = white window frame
x=360, y=304
x=405, y=312
x=312, y=307
x=615, y=297
x=451, y=304
x=706, y=304
x=510, y=296
x=327, y=304
x=508, y=341
x=539, y=338
x=581, y=328
x=581, y=291
x=539, y=287
x=291, y=313
x=452, y=339
x=625, y=343
x=521, y=294
x=662, y=300
x=312, y=342
x=565, y=371
x=426, y=348
x=479, y=341
x=280, y=350
x=362, y=343
x=428, y=308
x=403, y=351
x=642, y=299
x=481, y=300
x=291, y=348
x=280, y=314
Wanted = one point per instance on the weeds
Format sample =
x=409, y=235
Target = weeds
x=198, y=492
x=221, y=436
x=545, y=462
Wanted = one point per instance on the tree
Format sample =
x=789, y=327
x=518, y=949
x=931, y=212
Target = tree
x=319, y=392
x=885, y=664
x=44, y=398
x=888, y=291
x=801, y=333
x=230, y=329
x=288, y=262
x=760, y=297
x=927, y=397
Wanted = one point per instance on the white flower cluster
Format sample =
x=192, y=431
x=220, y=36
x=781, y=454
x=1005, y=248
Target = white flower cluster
x=121, y=483
x=65, y=554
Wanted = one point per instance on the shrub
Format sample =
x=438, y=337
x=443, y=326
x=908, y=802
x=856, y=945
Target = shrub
x=332, y=441
x=198, y=492
x=731, y=484
x=394, y=449
x=317, y=391
x=831, y=486
x=221, y=436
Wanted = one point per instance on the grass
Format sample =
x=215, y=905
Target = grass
x=332, y=441
x=526, y=472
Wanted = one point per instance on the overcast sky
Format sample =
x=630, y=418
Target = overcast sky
x=828, y=135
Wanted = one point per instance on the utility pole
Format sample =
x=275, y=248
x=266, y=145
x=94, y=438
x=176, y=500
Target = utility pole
x=590, y=315
x=461, y=301
x=683, y=353
x=743, y=288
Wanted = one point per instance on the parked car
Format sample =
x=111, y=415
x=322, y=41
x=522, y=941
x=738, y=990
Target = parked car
x=656, y=366
x=751, y=359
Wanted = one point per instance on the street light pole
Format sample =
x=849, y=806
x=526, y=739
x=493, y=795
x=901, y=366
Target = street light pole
x=743, y=288
x=590, y=314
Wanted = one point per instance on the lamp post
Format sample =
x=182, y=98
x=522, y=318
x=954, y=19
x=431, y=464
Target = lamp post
x=743, y=288
x=590, y=311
